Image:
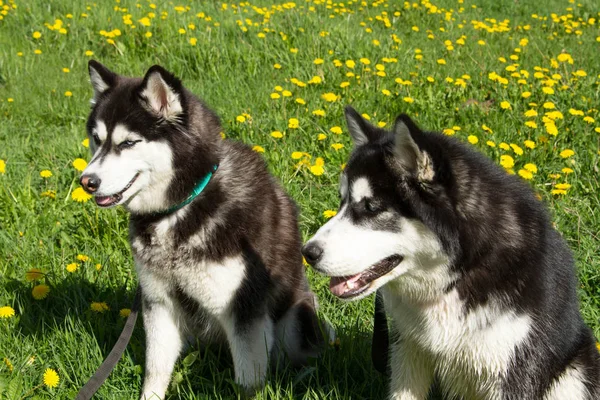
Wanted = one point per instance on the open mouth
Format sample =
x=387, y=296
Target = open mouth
x=346, y=287
x=107, y=201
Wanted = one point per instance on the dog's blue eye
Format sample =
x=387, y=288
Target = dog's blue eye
x=127, y=144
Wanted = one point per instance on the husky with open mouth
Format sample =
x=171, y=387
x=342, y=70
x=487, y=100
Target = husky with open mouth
x=214, y=237
x=480, y=288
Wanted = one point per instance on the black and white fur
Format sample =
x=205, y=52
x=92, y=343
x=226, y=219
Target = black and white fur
x=227, y=266
x=483, y=293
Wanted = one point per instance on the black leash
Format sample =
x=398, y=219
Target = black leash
x=381, y=340
x=115, y=354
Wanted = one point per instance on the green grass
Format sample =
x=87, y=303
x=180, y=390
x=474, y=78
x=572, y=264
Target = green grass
x=233, y=71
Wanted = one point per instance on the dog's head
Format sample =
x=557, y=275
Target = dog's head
x=150, y=138
x=378, y=233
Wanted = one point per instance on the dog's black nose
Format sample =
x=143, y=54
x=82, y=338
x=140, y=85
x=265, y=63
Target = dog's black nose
x=312, y=253
x=90, y=183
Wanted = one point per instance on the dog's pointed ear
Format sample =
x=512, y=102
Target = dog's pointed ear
x=101, y=78
x=361, y=131
x=162, y=93
x=407, y=153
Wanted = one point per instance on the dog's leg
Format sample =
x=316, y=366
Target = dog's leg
x=250, y=343
x=412, y=373
x=164, y=342
x=299, y=333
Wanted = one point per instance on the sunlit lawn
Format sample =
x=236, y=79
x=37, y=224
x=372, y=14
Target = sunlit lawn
x=518, y=80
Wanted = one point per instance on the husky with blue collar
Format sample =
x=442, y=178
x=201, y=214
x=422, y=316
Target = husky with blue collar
x=214, y=237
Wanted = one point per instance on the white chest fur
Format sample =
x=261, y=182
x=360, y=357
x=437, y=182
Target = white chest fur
x=162, y=265
x=469, y=351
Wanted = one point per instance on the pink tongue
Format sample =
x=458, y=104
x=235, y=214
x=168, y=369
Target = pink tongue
x=103, y=200
x=337, y=285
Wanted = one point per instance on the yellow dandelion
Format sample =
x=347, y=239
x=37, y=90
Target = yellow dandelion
x=321, y=136
x=51, y=378
x=240, y=119
x=296, y=155
x=82, y=257
x=86, y=143
x=589, y=119
x=193, y=41
x=318, y=61
x=275, y=96
x=317, y=170
x=45, y=173
x=505, y=105
x=567, y=171
x=293, y=123
x=408, y=100
x=337, y=146
x=441, y=61
x=551, y=128
x=490, y=143
x=473, y=139
x=89, y=53
x=300, y=101
x=549, y=105
x=350, y=64
x=530, y=144
x=277, y=66
x=80, y=195
x=68, y=93
x=330, y=97
x=2, y=166
x=34, y=274
x=525, y=94
x=98, y=267
x=531, y=168
x=99, y=307
x=386, y=92
x=531, y=113
x=8, y=364
x=567, y=153
x=258, y=149
x=7, y=312
x=36, y=35
x=49, y=193
x=517, y=149
x=507, y=161
x=40, y=292
x=336, y=129
x=531, y=124
x=124, y=312
x=525, y=174
x=72, y=267
x=277, y=134
x=79, y=164
x=562, y=186
x=329, y=213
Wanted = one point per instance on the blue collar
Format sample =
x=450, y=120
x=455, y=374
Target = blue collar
x=195, y=192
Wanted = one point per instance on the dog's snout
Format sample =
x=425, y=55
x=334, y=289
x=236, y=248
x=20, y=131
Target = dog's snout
x=90, y=183
x=312, y=252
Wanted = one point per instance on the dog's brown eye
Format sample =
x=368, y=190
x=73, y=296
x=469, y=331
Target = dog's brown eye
x=372, y=206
